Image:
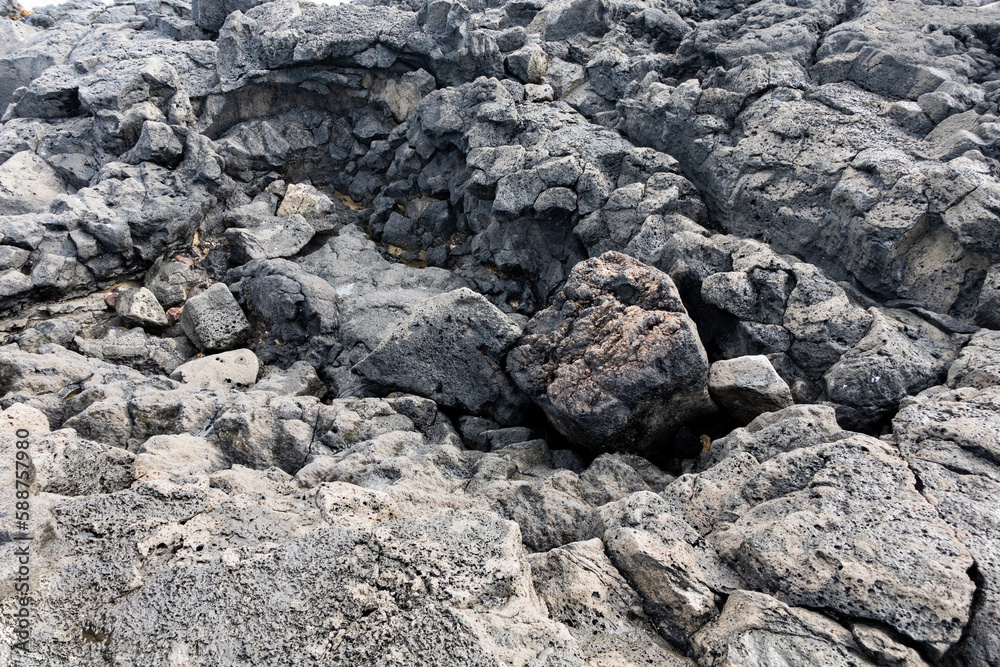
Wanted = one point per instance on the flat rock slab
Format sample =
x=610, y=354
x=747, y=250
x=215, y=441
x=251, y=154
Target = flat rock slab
x=841, y=526
x=236, y=369
x=615, y=362
x=451, y=350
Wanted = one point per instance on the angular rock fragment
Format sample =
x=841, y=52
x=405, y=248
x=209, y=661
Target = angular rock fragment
x=774, y=433
x=893, y=360
x=171, y=282
x=157, y=143
x=656, y=552
x=140, y=307
x=988, y=304
x=272, y=238
x=214, y=321
x=305, y=200
x=615, y=362
x=451, y=350
x=822, y=320
x=236, y=369
x=211, y=14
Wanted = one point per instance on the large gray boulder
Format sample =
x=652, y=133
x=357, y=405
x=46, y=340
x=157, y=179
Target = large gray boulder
x=157, y=143
x=300, y=379
x=136, y=348
x=164, y=456
x=615, y=362
x=68, y=465
x=451, y=350
x=774, y=433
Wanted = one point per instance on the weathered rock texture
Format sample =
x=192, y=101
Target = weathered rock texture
x=615, y=362
x=346, y=333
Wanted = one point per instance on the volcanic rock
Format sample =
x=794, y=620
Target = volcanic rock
x=236, y=369
x=615, y=362
x=214, y=321
x=140, y=307
x=748, y=386
x=451, y=350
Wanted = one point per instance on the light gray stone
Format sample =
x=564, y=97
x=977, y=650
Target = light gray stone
x=748, y=386
x=299, y=379
x=583, y=590
x=842, y=526
x=183, y=455
x=140, y=307
x=756, y=629
x=28, y=184
x=236, y=369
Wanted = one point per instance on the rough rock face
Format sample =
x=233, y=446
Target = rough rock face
x=342, y=332
x=878, y=538
x=950, y=438
x=754, y=625
x=615, y=362
x=451, y=350
x=748, y=386
x=214, y=321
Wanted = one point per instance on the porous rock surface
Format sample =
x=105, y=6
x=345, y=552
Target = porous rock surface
x=615, y=362
x=506, y=332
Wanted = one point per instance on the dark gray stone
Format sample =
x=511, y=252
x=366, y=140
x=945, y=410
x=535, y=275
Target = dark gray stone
x=214, y=321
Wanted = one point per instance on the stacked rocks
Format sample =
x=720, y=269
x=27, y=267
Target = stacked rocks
x=582, y=332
